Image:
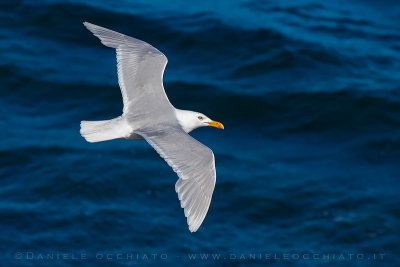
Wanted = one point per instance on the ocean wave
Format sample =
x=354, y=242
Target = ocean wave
x=339, y=22
x=344, y=111
x=215, y=39
x=248, y=57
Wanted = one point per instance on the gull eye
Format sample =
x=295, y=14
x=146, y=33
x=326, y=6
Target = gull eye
x=200, y=117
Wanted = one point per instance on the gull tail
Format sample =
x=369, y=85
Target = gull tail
x=97, y=131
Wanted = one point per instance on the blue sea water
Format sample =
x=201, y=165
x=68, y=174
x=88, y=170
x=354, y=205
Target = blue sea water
x=307, y=166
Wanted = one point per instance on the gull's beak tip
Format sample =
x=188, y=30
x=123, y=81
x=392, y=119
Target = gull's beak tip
x=216, y=124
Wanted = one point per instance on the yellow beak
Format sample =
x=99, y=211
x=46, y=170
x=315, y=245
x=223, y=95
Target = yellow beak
x=216, y=124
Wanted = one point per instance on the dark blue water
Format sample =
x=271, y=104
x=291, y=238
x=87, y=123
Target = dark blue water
x=308, y=163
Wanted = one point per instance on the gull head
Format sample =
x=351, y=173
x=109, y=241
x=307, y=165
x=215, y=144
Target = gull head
x=190, y=120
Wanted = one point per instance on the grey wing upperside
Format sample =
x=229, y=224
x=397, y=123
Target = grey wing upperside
x=195, y=165
x=140, y=70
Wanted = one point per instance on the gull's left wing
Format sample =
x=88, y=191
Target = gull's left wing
x=193, y=162
x=140, y=70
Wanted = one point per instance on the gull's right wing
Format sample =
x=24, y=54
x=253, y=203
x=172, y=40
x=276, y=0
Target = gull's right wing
x=195, y=165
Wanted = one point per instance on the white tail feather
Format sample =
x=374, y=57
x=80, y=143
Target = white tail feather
x=97, y=131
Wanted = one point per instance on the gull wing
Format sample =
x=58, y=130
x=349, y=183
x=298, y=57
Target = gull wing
x=140, y=69
x=195, y=165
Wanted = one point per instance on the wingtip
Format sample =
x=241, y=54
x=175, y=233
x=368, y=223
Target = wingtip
x=87, y=24
x=192, y=229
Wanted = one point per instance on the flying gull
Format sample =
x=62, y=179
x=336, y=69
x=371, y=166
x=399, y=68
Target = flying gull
x=147, y=114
